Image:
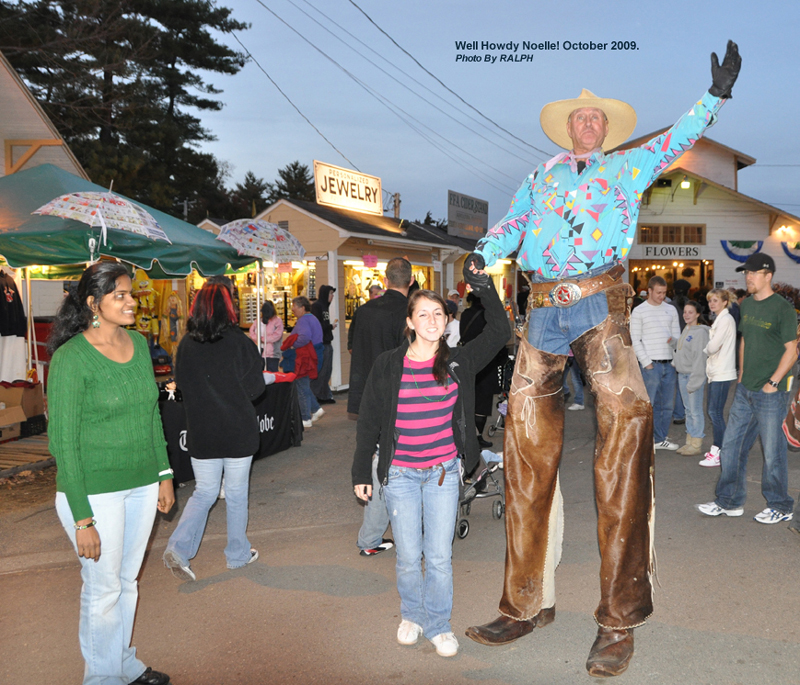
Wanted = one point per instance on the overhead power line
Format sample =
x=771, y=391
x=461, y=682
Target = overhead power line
x=391, y=106
x=410, y=77
x=445, y=86
x=288, y=99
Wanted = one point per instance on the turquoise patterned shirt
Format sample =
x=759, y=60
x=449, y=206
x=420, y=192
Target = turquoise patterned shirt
x=563, y=224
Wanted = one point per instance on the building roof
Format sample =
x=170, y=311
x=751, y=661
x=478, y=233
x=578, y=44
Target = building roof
x=680, y=171
x=23, y=121
x=742, y=160
x=357, y=223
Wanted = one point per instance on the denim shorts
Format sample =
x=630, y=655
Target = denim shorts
x=553, y=329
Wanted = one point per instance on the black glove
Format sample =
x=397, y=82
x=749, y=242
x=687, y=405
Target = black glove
x=724, y=76
x=475, y=281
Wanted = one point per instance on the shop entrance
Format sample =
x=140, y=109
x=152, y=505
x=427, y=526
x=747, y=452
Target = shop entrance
x=698, y=272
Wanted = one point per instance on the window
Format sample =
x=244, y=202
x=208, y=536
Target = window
x=672, y=234
x=284, y=225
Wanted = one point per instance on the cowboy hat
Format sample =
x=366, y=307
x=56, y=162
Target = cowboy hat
x=621, y=119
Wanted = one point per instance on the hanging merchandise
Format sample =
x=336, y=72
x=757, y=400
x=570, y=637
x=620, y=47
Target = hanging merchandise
x=147, y=314
x=13, y=326
x=172, y=321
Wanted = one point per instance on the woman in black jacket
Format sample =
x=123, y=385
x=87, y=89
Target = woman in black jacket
x=418, y=406
x=219, y=372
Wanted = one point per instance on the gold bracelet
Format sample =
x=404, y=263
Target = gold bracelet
x=84, y=527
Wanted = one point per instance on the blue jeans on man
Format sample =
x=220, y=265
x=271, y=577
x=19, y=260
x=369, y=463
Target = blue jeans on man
x=660, y=382
x=755, y=414
x=308, y=402
x=376, y=517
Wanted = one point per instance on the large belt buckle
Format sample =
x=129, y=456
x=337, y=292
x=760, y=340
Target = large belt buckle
x=565, y=295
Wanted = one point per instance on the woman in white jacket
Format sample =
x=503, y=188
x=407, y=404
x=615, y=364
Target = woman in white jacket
x=720, y=367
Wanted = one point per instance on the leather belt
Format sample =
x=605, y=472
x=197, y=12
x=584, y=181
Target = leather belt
x=661, y=361
x=569, y=291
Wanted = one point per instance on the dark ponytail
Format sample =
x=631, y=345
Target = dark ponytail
x=443, y=351
x=74, y=314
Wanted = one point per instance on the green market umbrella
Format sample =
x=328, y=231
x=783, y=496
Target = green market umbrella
x=27, y=240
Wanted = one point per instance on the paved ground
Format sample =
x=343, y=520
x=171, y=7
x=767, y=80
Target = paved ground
x=311, y=610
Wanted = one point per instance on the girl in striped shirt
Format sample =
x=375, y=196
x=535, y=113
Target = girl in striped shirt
x=415, y=405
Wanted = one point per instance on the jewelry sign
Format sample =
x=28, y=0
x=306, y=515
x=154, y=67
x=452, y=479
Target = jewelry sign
x=347, y=189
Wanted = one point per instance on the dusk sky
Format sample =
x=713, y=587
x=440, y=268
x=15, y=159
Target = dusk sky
x=259, y=131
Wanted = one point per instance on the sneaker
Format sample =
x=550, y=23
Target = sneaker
x=772, y=516
x=317, y=415
x=713, y=509
x=328, y=401
x=679, y=422
x=385, y=544
x=575, y=407
x=446, y=644
x=180, y=570
x=666, y=445
x=408, y=633
x=253, y=557
x=308, y=424
x=710, y=460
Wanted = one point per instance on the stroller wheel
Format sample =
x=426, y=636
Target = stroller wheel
x=497, y=509
x=491, y=430
x=462, y=529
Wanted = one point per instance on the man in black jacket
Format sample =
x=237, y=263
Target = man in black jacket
x=377, y=326
x=321, y=309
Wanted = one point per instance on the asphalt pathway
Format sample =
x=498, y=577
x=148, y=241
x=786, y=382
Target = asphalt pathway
x=311, y=610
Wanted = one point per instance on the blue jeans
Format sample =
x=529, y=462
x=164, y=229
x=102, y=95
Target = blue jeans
x=110, y=591
x=376, y=517
x=660, y=384
x=679, y=410
x=693, y=404
x=574, y=372
x=551, y=329
x=416, y=500
x=186, y=538
x=717, y=397
x=308, y=403
x=753, y=414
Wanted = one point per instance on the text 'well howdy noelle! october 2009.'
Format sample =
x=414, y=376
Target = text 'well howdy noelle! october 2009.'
x=489, y=52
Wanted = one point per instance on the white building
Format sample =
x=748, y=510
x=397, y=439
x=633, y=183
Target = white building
x=693, y=218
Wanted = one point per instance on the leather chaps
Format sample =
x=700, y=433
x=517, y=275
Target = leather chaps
x=623, y=473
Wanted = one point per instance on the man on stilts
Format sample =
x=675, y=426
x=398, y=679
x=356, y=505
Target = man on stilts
x=572, y=224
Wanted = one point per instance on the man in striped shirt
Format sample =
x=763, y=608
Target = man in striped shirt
x=654, y=327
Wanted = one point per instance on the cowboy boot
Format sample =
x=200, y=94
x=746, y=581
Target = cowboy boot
x=611, y=652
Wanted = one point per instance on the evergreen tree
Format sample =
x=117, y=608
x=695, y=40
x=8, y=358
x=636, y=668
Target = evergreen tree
x=250, y=198
x=119, y=80
x=295, y=182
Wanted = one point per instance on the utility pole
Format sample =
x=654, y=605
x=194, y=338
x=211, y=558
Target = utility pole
x=396, y=198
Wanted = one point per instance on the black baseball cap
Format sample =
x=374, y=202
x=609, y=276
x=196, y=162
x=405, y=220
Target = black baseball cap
x=757, y=262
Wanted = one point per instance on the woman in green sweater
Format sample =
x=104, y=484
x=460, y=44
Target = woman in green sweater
x=113, y=471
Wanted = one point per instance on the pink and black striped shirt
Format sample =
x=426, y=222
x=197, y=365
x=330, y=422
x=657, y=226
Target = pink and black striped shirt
x=424, y=417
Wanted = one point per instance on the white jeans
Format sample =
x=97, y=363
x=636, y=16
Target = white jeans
x=110, y=590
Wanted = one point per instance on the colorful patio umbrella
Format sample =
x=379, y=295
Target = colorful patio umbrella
x=107, y=210
x=262, y=239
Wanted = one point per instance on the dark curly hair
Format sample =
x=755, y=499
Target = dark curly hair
x=74, y=314
x=212, y=312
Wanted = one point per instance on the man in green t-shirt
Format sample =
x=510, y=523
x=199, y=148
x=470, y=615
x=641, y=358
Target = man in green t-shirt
x=767, y=353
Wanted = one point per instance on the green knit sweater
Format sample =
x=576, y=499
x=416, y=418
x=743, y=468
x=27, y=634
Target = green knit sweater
x=105, y=428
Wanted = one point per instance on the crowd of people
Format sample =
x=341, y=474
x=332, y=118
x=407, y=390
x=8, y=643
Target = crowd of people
x=421, y=388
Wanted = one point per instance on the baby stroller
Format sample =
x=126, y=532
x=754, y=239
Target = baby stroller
x=480, y=485
x=505, y=372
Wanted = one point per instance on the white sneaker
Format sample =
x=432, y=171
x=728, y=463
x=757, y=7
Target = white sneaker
x=308, y=424
x=713, y=509
x=575, y=407
x=446, y=644
x=317, y=415
x=710, y=460
x=408, y=632
x=772, y=516
x=666, y=445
